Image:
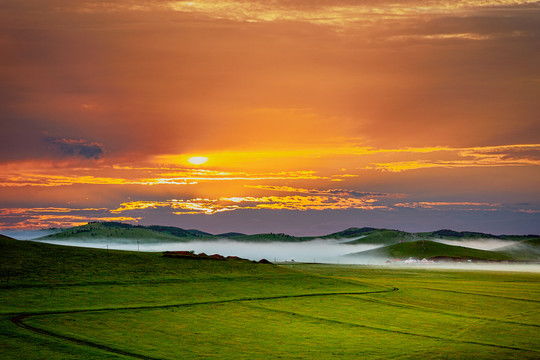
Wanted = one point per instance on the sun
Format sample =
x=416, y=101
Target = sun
x=197, y=160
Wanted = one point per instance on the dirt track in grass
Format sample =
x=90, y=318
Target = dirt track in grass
x=18, y=319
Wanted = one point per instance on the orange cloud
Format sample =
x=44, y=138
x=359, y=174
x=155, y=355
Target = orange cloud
x=449, y=205
x=19, y=211
x=132, y=176
x=331, y=13
x=168, y=170
x=212, y=206
x=24, y=218
x=334, y=192
x=512, y=155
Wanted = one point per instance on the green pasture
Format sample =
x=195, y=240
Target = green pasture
x=75, y=303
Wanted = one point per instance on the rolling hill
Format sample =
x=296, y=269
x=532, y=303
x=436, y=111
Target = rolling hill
x=125, y=232
x=456, y=235
x=268, y=237
x=230, y=234
x=527, y=250
x=351, y=236
x=384, y=236
x=350, y=232
x=431, y=250
x=176, y=231
x=368, y=235
x=106, y=230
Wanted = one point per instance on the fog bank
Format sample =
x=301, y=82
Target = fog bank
x=480, y=266
x=328, y=251
x=480, y=244
x=319, y=251
x=28, y=234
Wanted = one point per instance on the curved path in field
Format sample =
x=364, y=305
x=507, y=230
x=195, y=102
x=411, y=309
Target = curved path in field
x=19, y=318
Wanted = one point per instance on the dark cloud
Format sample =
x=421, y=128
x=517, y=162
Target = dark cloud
x=76, y=147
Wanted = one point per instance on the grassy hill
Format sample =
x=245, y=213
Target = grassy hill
x=156, y=233
x=268, y=237
x=101, y=231
x=176, y=231
x=519, y=237
x=30, y=261
x=384, y=236
x=229, y=234
x=350, y=232
x=456, y=235
x=389, y=237
x=421, y=249
x=527, y=250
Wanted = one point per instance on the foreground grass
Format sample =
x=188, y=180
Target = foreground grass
x=116, y=305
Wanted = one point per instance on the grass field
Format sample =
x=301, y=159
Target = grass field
x=75, y=303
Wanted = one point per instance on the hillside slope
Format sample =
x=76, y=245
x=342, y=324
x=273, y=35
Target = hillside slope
x=350, y=232
x=101, y=231
x=527, y=250
x=384, y=236
x=457, y=235
x=268, y=237
x=352, y=236
x=421, y=249
x=31, y=261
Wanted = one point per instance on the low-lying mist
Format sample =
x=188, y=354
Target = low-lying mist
x=479, y=266
x=327, y=251
x=332, y=251
x=28, y=234
x=480, y=244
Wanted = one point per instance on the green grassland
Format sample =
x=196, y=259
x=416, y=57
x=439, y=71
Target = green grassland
x=75, y=303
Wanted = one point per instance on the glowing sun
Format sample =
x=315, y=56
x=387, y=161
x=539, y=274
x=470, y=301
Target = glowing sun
x=198, y=160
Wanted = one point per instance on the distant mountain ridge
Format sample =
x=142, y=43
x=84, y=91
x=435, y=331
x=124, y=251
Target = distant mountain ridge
x=364, y=235
x=117, y=230
x=350, y=232
x=395, y=244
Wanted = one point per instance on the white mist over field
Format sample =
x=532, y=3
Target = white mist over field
x=482, y=266
x=28, y=234
x=331, y=251
x=328, y=251
x=480, y=244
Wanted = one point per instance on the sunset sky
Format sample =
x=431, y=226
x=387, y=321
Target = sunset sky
x=314, y=115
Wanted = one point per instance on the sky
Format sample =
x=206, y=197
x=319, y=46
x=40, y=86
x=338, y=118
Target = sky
x=314, y=116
